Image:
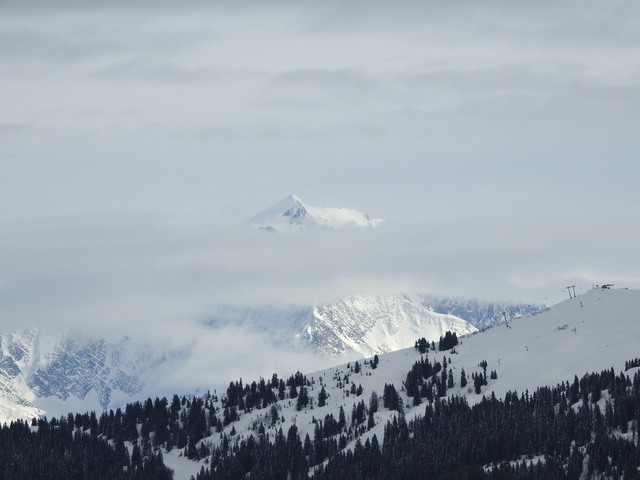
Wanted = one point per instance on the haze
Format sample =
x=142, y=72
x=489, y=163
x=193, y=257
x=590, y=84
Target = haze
x=499, y=138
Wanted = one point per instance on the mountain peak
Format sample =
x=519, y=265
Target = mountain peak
x=297, y=211
x=292, y=214
x=293, y=198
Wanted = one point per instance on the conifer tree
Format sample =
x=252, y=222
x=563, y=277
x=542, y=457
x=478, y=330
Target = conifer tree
x=322, y=397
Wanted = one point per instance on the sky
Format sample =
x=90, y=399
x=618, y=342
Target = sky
x=499, y=138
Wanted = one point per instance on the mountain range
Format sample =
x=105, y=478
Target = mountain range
x=44, y=371
x=47, y=372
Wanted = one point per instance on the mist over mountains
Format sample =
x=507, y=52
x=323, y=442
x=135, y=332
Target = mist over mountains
x=53, y=372
x=137, y=308
x=105, y=356
x=534, y=379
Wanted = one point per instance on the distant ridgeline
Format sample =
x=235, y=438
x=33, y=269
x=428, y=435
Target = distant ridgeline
x=479, y=313
x=585, y=428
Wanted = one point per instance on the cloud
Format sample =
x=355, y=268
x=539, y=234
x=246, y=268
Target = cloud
x=228, y=353
x=141, y=277
x=492, y=124
x=129, y=276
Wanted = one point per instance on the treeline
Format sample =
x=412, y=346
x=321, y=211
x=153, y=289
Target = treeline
x=263, y=393
x=57, y=449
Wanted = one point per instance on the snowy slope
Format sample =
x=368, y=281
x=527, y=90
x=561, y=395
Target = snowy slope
x=292, y=214
x=592, y=332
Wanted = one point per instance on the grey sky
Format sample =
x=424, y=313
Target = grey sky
x=501, y=135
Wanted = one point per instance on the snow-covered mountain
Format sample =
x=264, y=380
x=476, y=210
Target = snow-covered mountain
x=370, y=324
x=40, y=368
x=362, y=325
x=592, y=332
x=43, y=371
x=292, y=214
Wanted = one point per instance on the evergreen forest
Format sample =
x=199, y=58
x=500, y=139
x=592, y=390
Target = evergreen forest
x=584, y=428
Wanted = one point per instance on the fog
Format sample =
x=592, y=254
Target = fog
x=141, y=274
x=499, y=139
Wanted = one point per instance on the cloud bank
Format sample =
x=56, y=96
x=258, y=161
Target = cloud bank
x=132, y=273
x=501, y=136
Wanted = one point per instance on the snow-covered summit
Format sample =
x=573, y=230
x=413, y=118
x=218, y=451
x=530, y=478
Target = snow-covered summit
x=292, y=214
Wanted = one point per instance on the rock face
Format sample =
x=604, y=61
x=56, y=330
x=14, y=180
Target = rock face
x=16, y=399
x=77, y=367
x=36, y=364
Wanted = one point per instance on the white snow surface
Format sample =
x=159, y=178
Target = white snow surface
x=292, y=214
x=370, y=324
x=589, y=333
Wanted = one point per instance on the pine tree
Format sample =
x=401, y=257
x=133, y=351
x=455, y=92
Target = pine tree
x=322, y=397
x=303, y=399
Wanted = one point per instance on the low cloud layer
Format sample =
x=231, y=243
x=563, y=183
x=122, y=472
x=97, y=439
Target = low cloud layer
x=157, y=284
x=136, y=274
